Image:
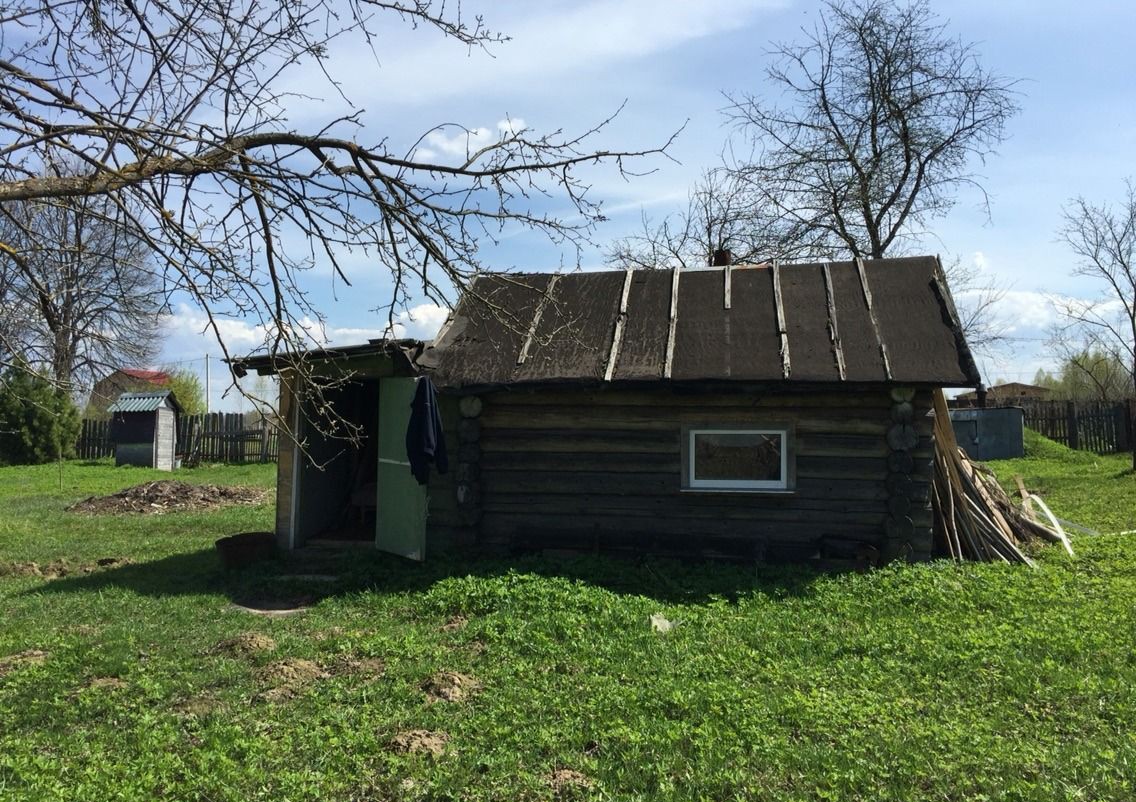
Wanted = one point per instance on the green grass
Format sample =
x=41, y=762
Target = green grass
x=936, y=682
x=1088, y=489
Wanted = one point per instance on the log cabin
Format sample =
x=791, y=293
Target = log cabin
x=776, y=412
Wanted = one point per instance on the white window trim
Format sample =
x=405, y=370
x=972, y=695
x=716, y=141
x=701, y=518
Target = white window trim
x=694, y=483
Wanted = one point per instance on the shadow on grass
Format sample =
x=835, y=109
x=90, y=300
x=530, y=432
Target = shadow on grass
x=302, y=579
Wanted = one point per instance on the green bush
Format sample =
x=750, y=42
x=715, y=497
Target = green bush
x=38, y=422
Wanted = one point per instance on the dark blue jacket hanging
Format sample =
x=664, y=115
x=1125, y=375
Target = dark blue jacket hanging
x=425, y=440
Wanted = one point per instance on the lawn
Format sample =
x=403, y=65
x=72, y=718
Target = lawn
x=545, y=680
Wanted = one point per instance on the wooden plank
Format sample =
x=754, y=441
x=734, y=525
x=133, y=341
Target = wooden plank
x=872, y=316
x=856, y=402
x=544, y=299
x=833, y=328
x=617, y=336
x=727, y=275
x=782, y=331
x=669, y=363
x=672, y=418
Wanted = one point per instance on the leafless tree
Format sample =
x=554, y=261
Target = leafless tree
x=178, y=115
x=1103, y=237
x=977, y=296
x=722, y=214
x=883, y=115
x=81, y=292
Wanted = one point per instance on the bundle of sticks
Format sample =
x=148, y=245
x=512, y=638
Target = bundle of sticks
x=974, y=518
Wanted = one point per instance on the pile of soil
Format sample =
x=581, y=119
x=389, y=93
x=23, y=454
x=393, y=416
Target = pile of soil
x=244, y=645
x=366, y=667
x=286, y=678
x=425, y=742
x=28, y=657
x=564, y=781
x=450, y=686
x=61, y=568
x=169, y=495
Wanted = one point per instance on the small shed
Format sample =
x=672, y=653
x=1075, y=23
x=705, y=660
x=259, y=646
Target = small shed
x=143, y=427
x=777, y=412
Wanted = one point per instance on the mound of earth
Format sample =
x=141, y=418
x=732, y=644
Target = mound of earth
x=169, y=495
x=244, y=645
x=564, y=781
x=450, y=686
x=288, y=677
x=28, y=657
x=425, y=742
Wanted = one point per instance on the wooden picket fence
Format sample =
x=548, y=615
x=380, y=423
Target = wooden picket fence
x=215, y=437
x=1104, y=428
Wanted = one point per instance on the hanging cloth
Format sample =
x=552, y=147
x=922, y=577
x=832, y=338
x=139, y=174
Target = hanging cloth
x=425, y=440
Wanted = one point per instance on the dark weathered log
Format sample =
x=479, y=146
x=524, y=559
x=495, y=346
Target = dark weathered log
x=899, y=484
x=900, y=462
x=469, y=430
x=902, y=437
x=470, y=406
x=469, y=452
x=903, y=412
x=902, y=394
x=899, y=527
x=899, y=506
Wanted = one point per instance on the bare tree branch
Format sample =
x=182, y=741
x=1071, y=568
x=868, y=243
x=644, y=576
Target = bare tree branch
x=178, y=114
x=884, y=114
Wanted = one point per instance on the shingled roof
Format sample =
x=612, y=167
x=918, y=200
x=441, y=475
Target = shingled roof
x=878, y=321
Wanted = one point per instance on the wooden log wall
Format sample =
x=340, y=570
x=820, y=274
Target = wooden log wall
x=449, y=523
x=910, y=467
x=573, y=469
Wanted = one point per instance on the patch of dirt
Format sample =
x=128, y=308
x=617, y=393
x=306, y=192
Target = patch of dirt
x=367, y=667
x=564, y=781
x=450, y=686
x=61, y=568
x=455, y=624
x=197, y=706
x=106, y=683
x=244, y=645
x=286, y=678
x=28, y=657
x=169, y=495
x=426, y=742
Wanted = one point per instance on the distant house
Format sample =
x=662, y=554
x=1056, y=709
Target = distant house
x=124, y=380
x=771, y=412
x=143, y=428
x=1004, y=395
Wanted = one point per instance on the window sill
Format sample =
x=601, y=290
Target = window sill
x=713, y=491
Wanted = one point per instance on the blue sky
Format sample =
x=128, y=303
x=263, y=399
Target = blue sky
x=571, y=64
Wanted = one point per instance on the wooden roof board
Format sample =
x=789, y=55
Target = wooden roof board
x=572, y=340
x=754, y=351
x=806, y=321
x=862, y=361
x=913, y=322
x=702, y=341
x=490, y=325
x=645, y=331
x=575, y=331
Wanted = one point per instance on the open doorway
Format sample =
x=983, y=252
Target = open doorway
x=336, y=479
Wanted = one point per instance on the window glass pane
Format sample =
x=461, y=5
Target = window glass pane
x=747, y=456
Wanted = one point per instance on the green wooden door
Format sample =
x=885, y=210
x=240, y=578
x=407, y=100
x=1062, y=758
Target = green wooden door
x=401, y=513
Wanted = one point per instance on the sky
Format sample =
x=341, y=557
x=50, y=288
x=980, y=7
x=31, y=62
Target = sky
x=671, y=65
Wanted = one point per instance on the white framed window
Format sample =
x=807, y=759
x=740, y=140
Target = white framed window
x=737, y=458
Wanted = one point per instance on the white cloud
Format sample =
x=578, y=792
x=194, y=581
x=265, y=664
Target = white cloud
x=460, y=143
x=420, y=322
x=979, y=260
x=548, y=43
